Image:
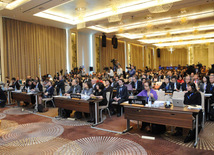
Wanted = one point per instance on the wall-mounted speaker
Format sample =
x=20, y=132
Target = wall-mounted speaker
x=91, y=69
x=158, y=51
x=114, y=42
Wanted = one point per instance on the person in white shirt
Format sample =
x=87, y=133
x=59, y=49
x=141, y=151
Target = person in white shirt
x=111, y=73
x=119, y=70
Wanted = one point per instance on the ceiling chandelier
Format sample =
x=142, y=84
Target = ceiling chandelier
x=81, y=11
x=161, y=7
x=170, y=49
x=183, y=19
x=114, y=8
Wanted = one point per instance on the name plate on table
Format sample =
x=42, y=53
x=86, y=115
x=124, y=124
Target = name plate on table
x=169, y=91
x=78, y=96
x=207, y=95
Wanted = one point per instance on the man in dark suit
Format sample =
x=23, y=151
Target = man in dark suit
x=148, y=76
x=86, y=79
x=210, y=87
x=184, y=85
x=94, y=82
x=167, y=86
x=137, y=85
x=75, y=88
x=175, y=84
x=60, y=85
x=121, y=96
x=49, y=91
x=115, y=83
x=15, y=83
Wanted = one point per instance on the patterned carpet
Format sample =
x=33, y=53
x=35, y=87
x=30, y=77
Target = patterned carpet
x=206, y=140
x=16, y=111
x=2, y=115
x=23, y=133
x=31, y=133
x=101, y=145
x=67, y=122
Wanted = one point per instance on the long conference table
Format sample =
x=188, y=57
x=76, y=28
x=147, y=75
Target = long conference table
x=78, y=105
x=8, y=91
x=26, y=97
x=174, y=116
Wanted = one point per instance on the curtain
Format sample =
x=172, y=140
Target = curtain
x=27, y=45
x=108, y=53
x=201, y=54
x=178, y=57
x=137, y=56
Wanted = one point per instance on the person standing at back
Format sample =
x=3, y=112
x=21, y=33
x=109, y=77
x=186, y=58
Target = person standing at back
x=60, y=85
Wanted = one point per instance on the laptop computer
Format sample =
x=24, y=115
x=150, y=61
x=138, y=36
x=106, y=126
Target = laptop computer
x=178, y=102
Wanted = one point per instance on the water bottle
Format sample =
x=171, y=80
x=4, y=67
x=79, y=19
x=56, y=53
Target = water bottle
x=149, y=101
x=28, y=89
x=15, y=88
x=2, y=87
x=131, y=93
x=181, y=88
x=168, y=100
x=60, y=92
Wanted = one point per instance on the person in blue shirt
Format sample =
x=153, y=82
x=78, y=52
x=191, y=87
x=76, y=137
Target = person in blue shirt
x=132, y=71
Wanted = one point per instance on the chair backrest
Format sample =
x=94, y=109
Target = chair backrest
x=161, y=95
x=158, y=83
x=108, y=97
x=202, y=100
x=178, y=95
x=129, y=86
x=67, y=88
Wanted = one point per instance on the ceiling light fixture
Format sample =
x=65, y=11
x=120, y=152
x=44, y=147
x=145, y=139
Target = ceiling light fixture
x=166, y=20
x=15, y=4
x=161, y=7
x=126, y=7
x=173, y=39
x=56, y=18
x=185, y=43
x=163, y=33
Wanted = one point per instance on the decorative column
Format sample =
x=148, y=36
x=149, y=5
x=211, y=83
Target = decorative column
x=97, y=53
x=2, y=77
x=190, y=55
x=129, y=54
x=210, y=55
x=73, y=50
